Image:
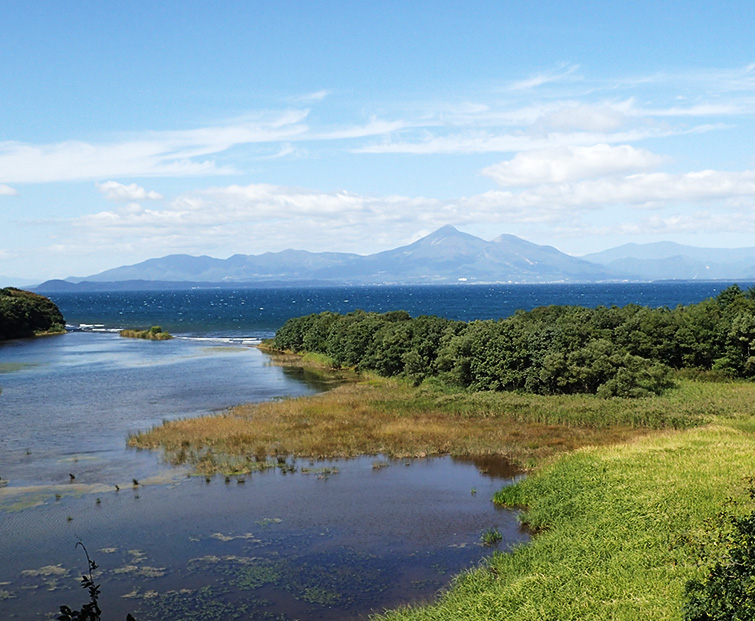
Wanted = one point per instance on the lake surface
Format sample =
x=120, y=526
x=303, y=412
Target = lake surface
x=346, y=539
x=258, y=313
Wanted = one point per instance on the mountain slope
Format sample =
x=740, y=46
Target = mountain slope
x=445, y=256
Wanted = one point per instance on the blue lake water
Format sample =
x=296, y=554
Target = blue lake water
x=258, y=313
x=178, y=547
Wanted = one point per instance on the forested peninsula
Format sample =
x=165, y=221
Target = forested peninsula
x=24, y=314
x=628, y=351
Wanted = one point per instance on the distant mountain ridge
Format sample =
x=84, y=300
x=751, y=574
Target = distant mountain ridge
x=668, y=260
x=445, y=256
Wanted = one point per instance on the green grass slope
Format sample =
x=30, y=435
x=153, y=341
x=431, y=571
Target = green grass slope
x=620, y=529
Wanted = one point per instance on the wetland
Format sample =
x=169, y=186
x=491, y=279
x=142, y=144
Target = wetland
x=306, y=538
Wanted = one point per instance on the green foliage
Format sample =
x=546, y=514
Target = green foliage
x=155, y=333
x=613, y=352
x=727, y=592
x=24, y=314
x=491, y=536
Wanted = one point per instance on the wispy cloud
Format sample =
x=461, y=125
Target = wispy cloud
x=485, y=141
x=310, y=97
x=575, y=111
x=169, y=153
x=375, y=127
x=6, y=190
x=534, y=81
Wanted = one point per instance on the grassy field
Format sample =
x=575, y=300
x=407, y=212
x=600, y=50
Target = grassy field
x=621, y=491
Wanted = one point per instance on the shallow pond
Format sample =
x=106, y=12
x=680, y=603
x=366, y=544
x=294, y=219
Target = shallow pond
x=326, y=540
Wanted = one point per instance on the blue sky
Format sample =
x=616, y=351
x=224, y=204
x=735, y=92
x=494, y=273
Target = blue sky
x=132, y=130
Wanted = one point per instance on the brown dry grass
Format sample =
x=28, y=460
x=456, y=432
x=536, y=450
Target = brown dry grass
x=379, y=417
x=370, y=415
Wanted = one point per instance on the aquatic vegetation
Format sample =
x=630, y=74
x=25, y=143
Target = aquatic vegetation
x=336, y=579
x=247, y=536
x=46, y=571
x=202, y=604
x=380, y=416
x=155, y=333
x=323, y=470
x=14, y=367
x=90, y=611
x=491, y=536
x=143, y=570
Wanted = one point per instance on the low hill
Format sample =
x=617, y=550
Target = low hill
x=24, y=314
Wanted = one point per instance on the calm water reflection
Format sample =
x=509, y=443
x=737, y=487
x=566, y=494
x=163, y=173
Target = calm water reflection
x=305, y=546
x=323, y=545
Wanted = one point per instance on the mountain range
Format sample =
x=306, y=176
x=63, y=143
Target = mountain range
x=444, y=257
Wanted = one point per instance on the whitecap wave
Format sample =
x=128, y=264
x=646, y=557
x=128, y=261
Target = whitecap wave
x=226, y=340
x=90, y=327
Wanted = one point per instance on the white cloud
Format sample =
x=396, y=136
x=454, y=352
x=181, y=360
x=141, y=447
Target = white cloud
x=643, y=190
x=169, y=153
x=697, y=110
x=698, y=223
x=485, y=141
x=114, y=191
x=374, y=127
x=258, y=217
x=663, y=188
x=240, y=218
x=570, y=163
x=6, y=190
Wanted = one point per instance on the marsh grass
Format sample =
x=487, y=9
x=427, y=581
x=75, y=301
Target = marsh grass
x=378, y=416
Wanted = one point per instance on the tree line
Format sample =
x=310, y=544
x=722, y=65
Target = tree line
x=628, y=351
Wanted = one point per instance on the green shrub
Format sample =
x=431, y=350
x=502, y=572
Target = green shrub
x=727, y=593
x=612, y=352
